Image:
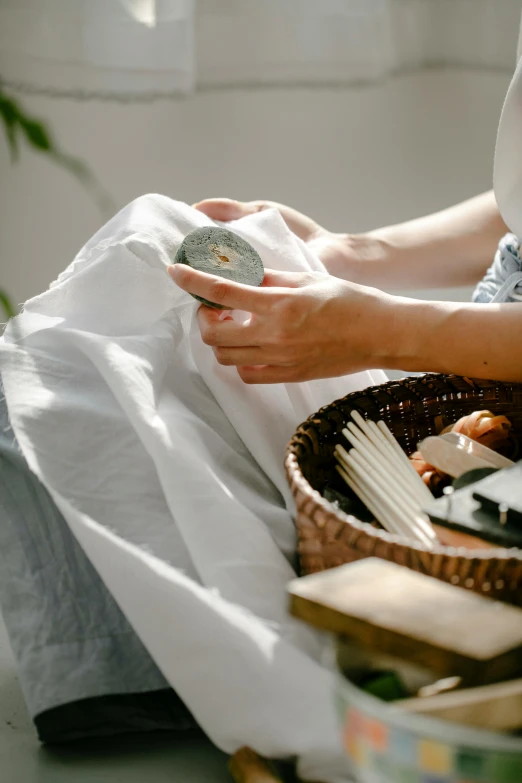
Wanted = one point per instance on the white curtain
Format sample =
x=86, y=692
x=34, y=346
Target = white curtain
x=145, y=48
x=343, y=41
x=109, y=48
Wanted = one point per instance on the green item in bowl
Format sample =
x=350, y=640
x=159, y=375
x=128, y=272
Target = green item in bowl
x=386, y=686
x=218, y=251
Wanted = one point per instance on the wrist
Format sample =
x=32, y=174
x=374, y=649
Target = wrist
x=354, y=257
x=415, y=334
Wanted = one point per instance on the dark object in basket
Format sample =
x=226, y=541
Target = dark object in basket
x=413, y=409
x=463, y=512
x=472, y=476
x=503, y=488
x=348, y=505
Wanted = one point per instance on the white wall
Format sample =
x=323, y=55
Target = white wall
x=352, y=158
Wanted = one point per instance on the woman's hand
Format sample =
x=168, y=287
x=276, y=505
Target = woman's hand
x=302, y=326
x=343, y=255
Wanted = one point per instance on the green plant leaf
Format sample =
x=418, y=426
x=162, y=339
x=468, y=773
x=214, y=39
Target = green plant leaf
x=7, y=305
x=36, y=133
x=9, y=115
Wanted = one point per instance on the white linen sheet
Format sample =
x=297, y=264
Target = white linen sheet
x=169, y=471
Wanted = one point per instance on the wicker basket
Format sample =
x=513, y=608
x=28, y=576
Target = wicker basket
x=412, y=408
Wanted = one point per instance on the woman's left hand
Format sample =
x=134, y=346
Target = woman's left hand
x=302, y=325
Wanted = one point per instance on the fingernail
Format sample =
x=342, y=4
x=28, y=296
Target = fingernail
x=173, y=271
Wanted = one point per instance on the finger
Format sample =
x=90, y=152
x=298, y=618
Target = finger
x=228, y=294
x=276, y=279
x=269, y=374
x=230, y=357
x=301, y=225
x=216, y=331
x=224, y=209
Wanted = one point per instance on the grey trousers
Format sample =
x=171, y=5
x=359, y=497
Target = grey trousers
x=82, y=669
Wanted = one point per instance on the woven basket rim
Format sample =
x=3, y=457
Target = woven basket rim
x=295, y=478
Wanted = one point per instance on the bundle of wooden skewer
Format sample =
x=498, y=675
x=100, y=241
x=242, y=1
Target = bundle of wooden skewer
x=382, y=476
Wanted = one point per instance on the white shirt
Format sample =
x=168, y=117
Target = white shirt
x=507, y=178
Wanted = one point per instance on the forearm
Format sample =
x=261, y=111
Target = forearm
x=476, y=340
x=449, y=248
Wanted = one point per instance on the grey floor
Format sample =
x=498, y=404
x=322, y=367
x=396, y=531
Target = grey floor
x=164, y=758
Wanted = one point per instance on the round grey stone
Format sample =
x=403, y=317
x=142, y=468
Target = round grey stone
x=218, y=251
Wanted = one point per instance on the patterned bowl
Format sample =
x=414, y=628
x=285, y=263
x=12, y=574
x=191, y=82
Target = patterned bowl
x=386, y=745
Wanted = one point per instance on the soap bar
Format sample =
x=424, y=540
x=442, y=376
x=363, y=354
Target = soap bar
x=218, y=251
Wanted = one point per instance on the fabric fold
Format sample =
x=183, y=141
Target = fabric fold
x=168, y=469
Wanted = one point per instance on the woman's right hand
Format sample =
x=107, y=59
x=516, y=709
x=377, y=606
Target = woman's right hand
x=343, y=255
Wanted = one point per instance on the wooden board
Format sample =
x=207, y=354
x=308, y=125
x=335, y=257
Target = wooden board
x=389, y=609
x=495, y=707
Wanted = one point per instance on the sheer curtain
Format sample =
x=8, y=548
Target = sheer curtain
x=342, y=41
x=148, y=48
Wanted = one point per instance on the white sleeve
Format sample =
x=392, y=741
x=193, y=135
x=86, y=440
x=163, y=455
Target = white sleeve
x=507, y=179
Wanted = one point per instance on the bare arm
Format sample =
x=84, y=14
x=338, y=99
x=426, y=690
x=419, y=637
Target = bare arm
x=449, y=248
x=476, y=340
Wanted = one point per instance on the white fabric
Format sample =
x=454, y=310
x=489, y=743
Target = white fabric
x=169, y=470
x=141, y=48
x=508, y=154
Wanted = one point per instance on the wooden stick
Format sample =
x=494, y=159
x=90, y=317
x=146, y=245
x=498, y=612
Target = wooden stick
x=247, y=767
x=406, y=462
x=396, y=483
x=359, y=441
x=362, y=479
x=396, y=496
x=370, y=485
x=385, y=475
x=495, y=707
x=378, y=512
x=391, y=447
x=374, y=473
x=387, y=513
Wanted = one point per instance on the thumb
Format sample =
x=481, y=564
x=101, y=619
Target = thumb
x=225, y=208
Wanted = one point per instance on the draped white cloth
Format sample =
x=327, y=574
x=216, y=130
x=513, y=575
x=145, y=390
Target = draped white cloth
x=169, y=471
x=147, y=48
x=508, y=153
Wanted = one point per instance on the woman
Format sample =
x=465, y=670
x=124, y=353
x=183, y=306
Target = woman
x=317, y=326
x=168, y=471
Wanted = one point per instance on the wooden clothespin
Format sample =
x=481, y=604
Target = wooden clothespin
x=247, y=767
